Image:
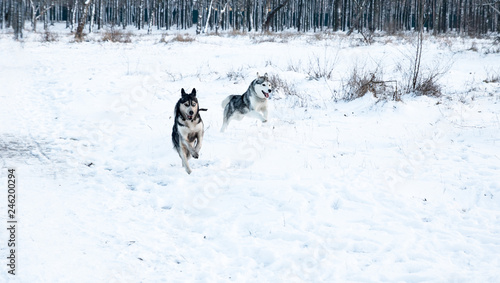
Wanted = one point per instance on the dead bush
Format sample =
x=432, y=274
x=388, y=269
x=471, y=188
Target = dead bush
x=474, y=47
x=117, y=35
x=282, y=85
x=177, y=38
x=183, y=38
x=257, y=39
x=236, y=32
x=492, y=76
x=278, y=37
x=322, y=66
x=237, y=75
x=362, y=82
x=419, y=79
x=428, y=85
x=48, y=36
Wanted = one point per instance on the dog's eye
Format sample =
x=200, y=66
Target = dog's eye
x=193, y=103
x=186, y=104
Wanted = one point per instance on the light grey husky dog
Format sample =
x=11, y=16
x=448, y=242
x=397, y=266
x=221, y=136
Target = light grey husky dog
x=252, y=103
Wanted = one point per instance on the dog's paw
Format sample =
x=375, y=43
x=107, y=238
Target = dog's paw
x=195, y=155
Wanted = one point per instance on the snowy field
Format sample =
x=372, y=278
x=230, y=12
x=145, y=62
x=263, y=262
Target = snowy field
x=370, y=190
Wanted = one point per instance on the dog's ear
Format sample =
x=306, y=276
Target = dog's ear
x=193, y=92
x=265, y=75
x=183, y=92
x=258, y=75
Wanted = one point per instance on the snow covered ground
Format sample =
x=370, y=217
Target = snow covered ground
x=327, y=191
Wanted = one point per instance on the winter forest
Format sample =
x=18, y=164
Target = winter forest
x=379, y=160
x=470, y=17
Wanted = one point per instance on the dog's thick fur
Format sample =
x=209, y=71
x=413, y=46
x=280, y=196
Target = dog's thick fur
x=188, y=129
x=252, y=103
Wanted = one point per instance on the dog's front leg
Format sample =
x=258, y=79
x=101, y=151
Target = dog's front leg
x=264, y=111
x=198, y=144
x=184, y=157
x=189, y=148
x=257, y=115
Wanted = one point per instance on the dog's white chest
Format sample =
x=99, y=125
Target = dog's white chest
x=258, y=104
x=190, y=128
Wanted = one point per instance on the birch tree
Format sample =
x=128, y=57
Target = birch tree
x=37, y=13
x=17, y=17
x=271, y=14
x=82, y=21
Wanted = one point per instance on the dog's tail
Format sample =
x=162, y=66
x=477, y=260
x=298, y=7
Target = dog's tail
x=226, y=101
x=203, y=109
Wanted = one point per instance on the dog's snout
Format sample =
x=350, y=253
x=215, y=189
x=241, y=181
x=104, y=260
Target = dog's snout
x=191, y=112
x=270, y=90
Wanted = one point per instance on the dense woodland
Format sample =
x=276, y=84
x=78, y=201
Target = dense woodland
x=471, y=17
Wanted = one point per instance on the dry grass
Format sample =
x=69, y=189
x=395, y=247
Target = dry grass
x=48, y=36
x=281, y=37
x=362, y=82
x=237, y=75
x=428, y=80
x=492, y=76
x=288, y=89
x=177, y=38
x=428, y=85
x=473, y=47
x=322, y=66
x=282, y=85
x=183, y=38
x=117, y=35
x=236, y=32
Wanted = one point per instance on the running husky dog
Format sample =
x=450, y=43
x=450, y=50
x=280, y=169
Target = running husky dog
x=251, y=103
x=187, y=133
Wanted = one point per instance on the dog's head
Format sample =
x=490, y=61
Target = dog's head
x=263, y=86
x=187, y=106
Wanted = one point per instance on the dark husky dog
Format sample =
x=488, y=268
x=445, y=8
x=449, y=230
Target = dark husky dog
x=187, y=133
x=251, y=103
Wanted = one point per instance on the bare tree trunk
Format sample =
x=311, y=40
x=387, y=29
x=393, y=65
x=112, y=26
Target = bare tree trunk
x=198, y=25
x=271, y=15
x=356, y=22
x=125, y=18
x=45, y=18
x=20, y=19
x=73, y=18
x=16, y=16
x=299, y=16
x=92, y=15
x=100, y=16
x=3, y=15
x=322, y=13
x=208, y=17
x=33, y=15
x=43, y=12
x=250, y=13
x=338, y=15
x=81, y=22
x=151, y=16
x=140, y=15
x=418, y=55
x=221, y=15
